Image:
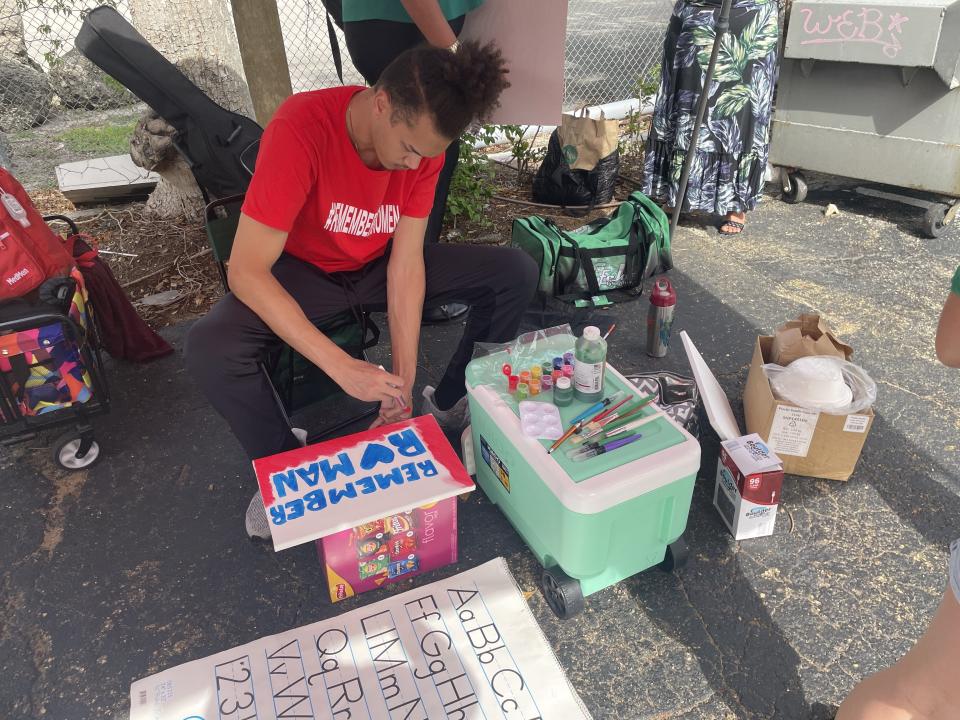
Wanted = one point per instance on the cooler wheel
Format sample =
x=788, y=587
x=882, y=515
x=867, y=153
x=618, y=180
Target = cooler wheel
x=75, y=451
x=676, y=557
x=562, y=592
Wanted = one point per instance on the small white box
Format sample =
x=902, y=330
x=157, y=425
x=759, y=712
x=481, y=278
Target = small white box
x=747, y=492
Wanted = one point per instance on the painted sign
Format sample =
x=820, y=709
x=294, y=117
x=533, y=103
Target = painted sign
x=321, y=489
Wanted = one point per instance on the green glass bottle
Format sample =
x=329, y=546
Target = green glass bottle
x=590, y=354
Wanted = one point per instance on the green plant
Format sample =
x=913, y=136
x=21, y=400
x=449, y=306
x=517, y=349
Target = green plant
x=522, y=151
x=471, y=186
x=98, y=140
x=644, y=89
x=647, y=84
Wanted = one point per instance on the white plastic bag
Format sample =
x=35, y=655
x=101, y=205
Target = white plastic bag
x=819, y=382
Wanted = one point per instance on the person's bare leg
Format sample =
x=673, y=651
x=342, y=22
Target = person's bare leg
x=923, y=685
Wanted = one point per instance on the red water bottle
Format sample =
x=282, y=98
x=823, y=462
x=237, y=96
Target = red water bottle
x=663, y=301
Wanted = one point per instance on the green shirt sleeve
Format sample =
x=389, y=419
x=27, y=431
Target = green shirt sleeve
x=956, y=282
x=354, y=10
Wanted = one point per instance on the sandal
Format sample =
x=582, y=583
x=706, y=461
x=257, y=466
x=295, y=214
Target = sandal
x=731, y=223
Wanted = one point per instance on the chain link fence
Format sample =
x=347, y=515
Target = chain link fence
x=45, y=85
x=611, y=45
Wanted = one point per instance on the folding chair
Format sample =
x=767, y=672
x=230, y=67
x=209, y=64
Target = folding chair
x=296, y=382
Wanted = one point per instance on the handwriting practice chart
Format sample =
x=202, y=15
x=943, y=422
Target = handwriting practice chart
x=464, y=648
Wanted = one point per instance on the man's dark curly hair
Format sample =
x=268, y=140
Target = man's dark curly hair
x=454, y=89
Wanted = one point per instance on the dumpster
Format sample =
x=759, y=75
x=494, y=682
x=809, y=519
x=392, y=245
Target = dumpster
x=871, y=91
x=590, y=523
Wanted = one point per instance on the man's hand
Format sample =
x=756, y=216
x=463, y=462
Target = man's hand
x=391, y=412
x=368, y=382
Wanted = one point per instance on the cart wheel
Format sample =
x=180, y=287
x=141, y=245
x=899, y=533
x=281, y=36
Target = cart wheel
x=933, y=225
x=562, y=592
x=798, y=189
x=676, y=557
x=66, y=452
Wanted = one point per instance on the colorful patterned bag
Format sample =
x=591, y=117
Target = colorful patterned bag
x=43, y=368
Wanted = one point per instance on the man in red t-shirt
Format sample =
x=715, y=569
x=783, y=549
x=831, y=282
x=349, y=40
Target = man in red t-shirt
x=334, y=220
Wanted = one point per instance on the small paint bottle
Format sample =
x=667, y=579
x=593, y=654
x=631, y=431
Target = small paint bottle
x=568, y=371
x=534, y=387
x=535, y=372
x=568, y=358
x=547, y=368
x=546, y=383
x=512, y=382
x=525, y=377
x=558, y=363
x=563, y=392
x=523, y=390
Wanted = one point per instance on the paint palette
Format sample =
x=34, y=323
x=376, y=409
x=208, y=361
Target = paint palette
x=540, y=420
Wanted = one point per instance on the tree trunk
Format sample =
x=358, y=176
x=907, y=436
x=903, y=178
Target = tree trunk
x=199, y=37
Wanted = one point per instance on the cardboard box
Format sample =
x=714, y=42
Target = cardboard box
x=747, y=490
x=808, y=442
x=386, y=550
x=381, y=503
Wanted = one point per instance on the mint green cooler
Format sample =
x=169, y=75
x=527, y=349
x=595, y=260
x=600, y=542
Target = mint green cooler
x=590, y=523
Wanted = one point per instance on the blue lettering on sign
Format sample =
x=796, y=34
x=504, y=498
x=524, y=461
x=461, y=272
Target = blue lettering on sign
x=315, y=500
x=310, y=474
x=366, y=485
x=344, y=465
x=294, y=509
x=282, y=481
x=405, y=443
x=348, y=491
x=395, y=476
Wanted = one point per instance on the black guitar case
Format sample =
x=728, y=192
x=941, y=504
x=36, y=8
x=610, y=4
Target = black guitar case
x=218, y=145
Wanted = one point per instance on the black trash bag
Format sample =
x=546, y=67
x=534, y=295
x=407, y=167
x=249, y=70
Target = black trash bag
x=556, y=184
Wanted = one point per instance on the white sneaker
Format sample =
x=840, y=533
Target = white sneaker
x=454, y=419
x=256, y=521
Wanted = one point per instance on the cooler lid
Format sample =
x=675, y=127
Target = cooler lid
x=666, y=452
x=321, y=489
x=714, y=398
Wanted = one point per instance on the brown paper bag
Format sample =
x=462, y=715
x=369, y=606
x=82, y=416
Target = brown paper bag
x=585, y=140
x=807, y=335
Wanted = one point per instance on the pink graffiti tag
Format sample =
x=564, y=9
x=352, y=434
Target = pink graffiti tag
x=866, y=26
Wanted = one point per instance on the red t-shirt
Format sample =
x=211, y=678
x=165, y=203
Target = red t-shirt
x=310, y=182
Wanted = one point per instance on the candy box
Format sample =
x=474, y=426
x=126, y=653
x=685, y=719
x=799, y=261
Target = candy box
x=381, y=504
x=426, y=540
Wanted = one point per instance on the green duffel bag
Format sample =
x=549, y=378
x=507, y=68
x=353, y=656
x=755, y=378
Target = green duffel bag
x=603, y=262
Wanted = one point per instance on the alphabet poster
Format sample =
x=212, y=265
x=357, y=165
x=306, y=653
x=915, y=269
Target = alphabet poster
x=316, y=491
x=464, y=648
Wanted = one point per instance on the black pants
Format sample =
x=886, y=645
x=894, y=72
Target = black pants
x=224, y=348
x=373, y=44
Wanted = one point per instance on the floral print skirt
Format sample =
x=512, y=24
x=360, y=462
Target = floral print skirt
x=734, y=140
